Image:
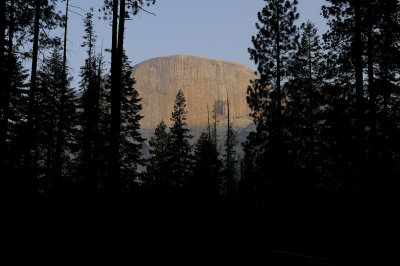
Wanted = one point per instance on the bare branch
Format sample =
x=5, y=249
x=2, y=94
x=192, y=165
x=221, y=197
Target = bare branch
x=148, y=12
x=75, y=13
x=78, y=8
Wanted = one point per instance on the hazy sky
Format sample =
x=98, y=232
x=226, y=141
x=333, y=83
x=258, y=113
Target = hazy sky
x=219, y=29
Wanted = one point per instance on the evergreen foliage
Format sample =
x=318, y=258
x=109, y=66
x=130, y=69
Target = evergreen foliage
x=131, y=139
x=207, y=170
x=273, y=46
x=180, y=143
x=56, y=120
x=159, y=168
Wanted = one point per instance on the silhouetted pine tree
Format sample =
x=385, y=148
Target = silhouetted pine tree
x=303, y=105
x=130, y=148
x=13, y=90
x=275, y=41
x=13, y=27
x=56, y=104
x=303, y=122
x=44, y=18
x=158, y=168
x=130, y=137
x=120, y=10
x=345, y=43
x=90, y=84
x=205, y=185
x=386, y=85
x=181, y=163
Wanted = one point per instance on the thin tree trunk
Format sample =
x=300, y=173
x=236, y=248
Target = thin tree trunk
x=10, y=69
x=359, y=106
x=65, y=39
x=5, y=89
x=278, y=79
x=215, y=127
x=208, y=122
x=113, y=179
x=310, y=84
x=229, y=163
x=61, y=122
x=385, y=67
x=278, y=145
x=96, y=144
x=387, y=182
x=30, y=163
x=371, y=88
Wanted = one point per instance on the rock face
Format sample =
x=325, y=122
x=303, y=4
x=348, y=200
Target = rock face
x=205, y=83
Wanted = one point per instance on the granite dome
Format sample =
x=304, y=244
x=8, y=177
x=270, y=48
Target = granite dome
x=205, y=82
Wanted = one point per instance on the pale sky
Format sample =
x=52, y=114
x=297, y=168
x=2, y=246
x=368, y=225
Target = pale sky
x=219, y=29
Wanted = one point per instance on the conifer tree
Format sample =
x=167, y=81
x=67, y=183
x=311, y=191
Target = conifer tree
x=272, y=46
x=159, y=168
x=207, y=170
x=119, y=10
x=13, y=27
x=57, y=120
x=274, y=43
x=130, y=137
x=383, y=69
x=304, y=101
x=91, y=88
x=180, y=147
x=45, y=17
x=12, y=76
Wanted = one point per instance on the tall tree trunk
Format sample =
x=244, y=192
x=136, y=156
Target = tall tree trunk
x=65, y=39
x=310, y=86
x=113, y=179
x=215, y=127
x=117, y=94
x=96, y=133
x=386, y=59
x=229, y=163
x=387, y=180
x=278, y=79
x=359, y=105
x=371, y=87
x=4, y=87
x=61, y=122
x=10, y=69
x=30, y=162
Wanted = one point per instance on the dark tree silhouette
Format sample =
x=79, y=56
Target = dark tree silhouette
x=159, y=168
x=126, y=8
x=181, y=162
x=302, y=111
x=229, y=158
x=91, y=86
x=275, y=41
x=206, y=182
x=4, y=91
x=45, y=17
x=130, y=137
x=56, y=122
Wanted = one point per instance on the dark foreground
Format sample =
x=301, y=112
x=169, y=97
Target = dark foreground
x=178, y=225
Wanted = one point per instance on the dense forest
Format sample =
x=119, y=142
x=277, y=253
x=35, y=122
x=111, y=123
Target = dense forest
x=319, y=182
